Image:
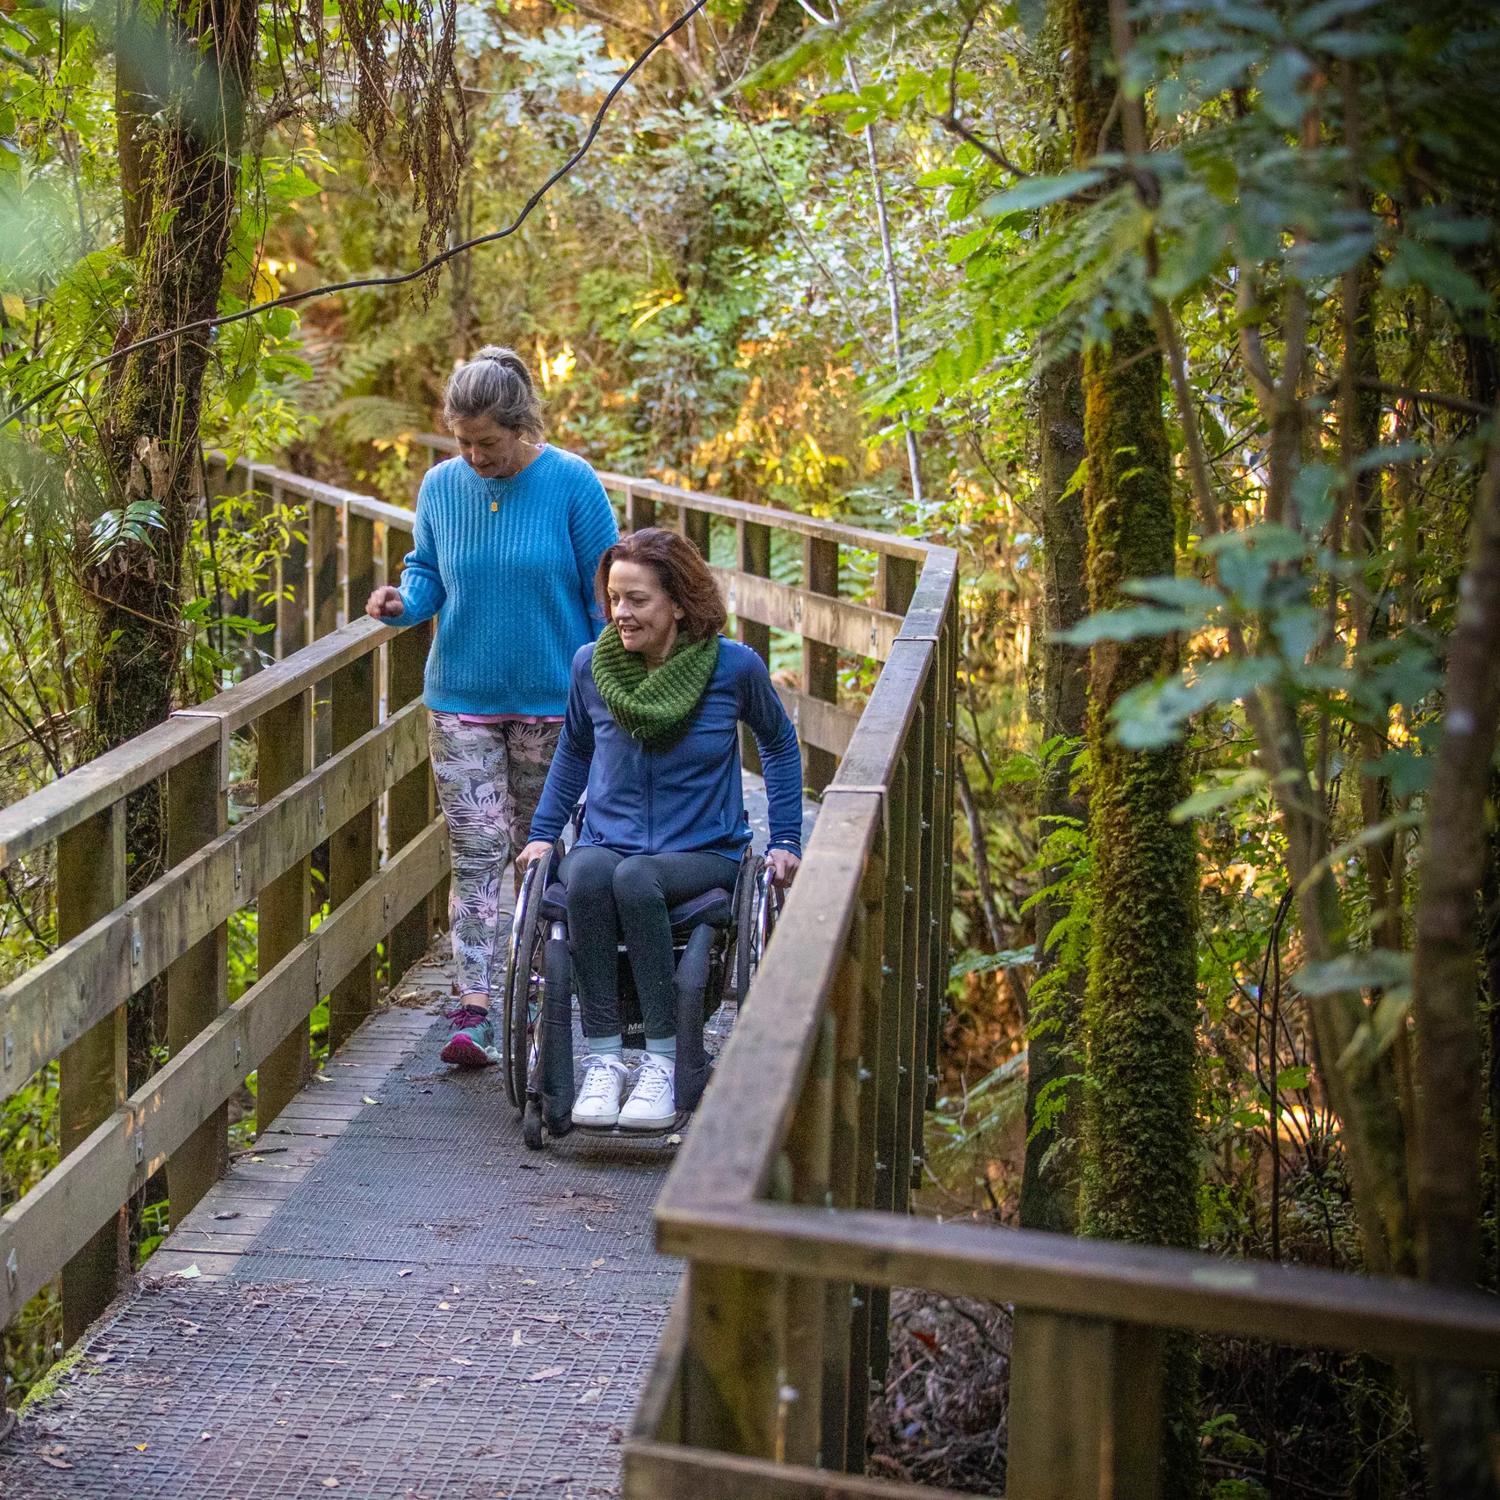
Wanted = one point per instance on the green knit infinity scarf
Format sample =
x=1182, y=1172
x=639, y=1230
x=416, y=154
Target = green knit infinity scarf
x=654, y=707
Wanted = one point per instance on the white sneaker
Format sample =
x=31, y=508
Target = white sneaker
x=598, y=1100
x=651, y=1105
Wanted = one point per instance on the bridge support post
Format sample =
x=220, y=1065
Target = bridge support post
x=1085, y=1408
x=91, y=1072
x=352, y=853
x=198, y=982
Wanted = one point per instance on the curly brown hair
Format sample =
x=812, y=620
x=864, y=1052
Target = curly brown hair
x=679, y=568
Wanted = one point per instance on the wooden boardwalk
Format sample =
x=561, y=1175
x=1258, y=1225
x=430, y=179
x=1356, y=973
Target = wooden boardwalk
x=390, y=1297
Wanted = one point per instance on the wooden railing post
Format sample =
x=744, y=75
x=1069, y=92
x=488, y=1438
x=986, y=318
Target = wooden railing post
x=353, y=855
x=1085, y=1408
x=754, y=552
x=730, y=1389
x=262, y=606
x=324, y=597
x=291, y=602
x=918, y=918
x=697, y=528
x=895, y=582
x=92, y=1071
x=198, y=982
x=410, y=806
x=804, y=1301
x=283, y=755
x=640, y=510
x=867, y=1301
x=820, y=676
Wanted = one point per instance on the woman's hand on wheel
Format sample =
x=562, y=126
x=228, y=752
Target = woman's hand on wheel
x=783, y=865
x=385, y=603
x=534, y=851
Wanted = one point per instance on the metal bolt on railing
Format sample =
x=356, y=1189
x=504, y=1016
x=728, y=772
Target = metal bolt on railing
x=788, y=1394
x=880, y=1166
x=856, y=1303
x=886, y=971
x=916, y=1161
x=932, y=1080
x=864, y=1074
x=901, y=1070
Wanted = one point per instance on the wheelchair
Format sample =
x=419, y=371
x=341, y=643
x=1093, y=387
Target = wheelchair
x=717, y=941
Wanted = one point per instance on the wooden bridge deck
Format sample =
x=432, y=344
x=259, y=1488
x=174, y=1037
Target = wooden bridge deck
x=389, y=1297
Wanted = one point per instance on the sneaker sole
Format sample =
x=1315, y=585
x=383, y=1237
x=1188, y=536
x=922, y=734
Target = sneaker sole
x=596, y=1122
x=657, y=1123
x=465, y=1052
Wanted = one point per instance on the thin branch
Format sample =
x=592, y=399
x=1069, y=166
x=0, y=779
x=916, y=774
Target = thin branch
x=291, y=299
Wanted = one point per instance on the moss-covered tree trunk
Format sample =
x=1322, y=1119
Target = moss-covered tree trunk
x=1049, y=1179
x=1140, y=1168
x=186, y=142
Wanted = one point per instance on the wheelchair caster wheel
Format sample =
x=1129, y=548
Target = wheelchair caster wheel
x=531, y=1126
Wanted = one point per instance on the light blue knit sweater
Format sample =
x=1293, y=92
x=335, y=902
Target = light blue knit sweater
x=507, y=566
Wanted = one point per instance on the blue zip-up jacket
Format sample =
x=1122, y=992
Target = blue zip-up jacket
x=687, y=797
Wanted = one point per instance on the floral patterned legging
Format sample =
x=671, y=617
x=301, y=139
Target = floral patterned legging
x=489, y=779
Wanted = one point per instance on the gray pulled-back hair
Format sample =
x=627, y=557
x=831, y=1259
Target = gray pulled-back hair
x=495, y=383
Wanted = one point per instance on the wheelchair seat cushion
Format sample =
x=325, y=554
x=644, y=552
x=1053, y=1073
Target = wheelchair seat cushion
x=713, y=908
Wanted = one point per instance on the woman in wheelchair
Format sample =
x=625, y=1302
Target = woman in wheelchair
x=651, y=734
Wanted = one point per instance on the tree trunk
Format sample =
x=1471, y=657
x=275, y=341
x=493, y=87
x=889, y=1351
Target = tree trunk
x=1049, y=1180
x=188, y=155
x=1140, y=1170
x=1457, y=1415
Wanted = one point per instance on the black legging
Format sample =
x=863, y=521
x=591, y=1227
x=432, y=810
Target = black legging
x=610, y=892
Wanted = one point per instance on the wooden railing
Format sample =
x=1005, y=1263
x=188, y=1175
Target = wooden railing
x=789, y=1199
x=341, y=794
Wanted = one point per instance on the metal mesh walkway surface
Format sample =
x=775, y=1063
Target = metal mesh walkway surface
x=389, y=1297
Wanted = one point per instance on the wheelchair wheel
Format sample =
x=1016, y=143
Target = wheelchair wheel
x=759, y=907
x=524, y=981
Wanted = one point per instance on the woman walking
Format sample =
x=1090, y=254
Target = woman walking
x=507, y=541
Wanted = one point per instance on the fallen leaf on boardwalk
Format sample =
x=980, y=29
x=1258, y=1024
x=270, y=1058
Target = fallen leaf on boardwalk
x=458, y=1359
x=321, y=1078
x=589, y=1396
x=674, y=1140
x=204, y=1437
x=368, y=1100
x=406, y=1272
x=141, y=1447
x=518, y=1340
x=597, y=1263
x=569, y=1193
x=330, y=1483
x=232, y=1214
x=188, y=1272
x=546, y=1374
x=444, y=1307
x=55, y=1463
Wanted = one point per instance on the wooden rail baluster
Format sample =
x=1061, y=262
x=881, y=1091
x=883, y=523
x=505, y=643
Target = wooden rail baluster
x=198, y=982
x=820, y=676
x=91, y=1071
x=1085, y=1408
x=920, y=900
x=753, y=547
x=411, y=805
x=324, y=597
x=262, y=605
x=292, y=579
x=697, y=528
x=640, y=510
x=283, y=738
